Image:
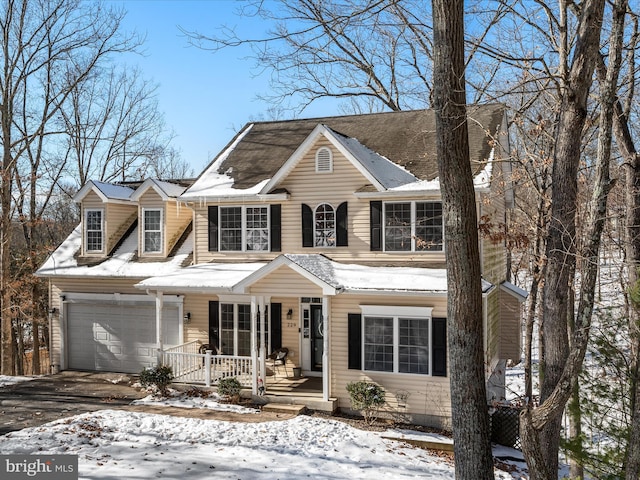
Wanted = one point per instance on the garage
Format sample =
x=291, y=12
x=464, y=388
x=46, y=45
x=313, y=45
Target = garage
x=117, y=336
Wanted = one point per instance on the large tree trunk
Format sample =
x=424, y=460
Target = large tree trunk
x=473, y=458
x=560, y=249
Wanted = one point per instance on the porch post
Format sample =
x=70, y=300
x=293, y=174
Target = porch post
x=254, y=348
x=326, y=306
x=263, y=355
x=159, y=306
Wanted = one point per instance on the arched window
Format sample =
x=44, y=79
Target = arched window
x=324, y=226
x=324, y=160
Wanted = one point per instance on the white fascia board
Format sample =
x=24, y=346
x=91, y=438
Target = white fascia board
x=393, y=293
x=241, y=287
x=354, y=161
x=184, y=289
x=428, y=195
x=295, y=158
x=74, y=297
x=146, y=185
x=254, y=197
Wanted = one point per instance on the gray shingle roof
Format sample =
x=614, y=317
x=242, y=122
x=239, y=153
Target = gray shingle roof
x=406, y=138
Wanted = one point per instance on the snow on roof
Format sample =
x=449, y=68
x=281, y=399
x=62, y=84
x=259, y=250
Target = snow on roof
x=212, y=184
x=63, y=261
x=343, y=277
x=384, y=170
x=112, y=191
x=206, y=276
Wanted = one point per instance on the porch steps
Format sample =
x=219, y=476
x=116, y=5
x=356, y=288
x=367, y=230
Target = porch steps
x=284, y=408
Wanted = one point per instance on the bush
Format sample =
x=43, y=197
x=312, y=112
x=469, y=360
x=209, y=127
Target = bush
x=367, y=397
x=159, y=377
x=229, y=389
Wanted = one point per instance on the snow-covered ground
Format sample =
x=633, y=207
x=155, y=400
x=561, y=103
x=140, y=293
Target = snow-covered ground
x=6, y=381
x=116, y=444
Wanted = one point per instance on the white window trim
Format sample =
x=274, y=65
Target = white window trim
x=86, y=230
x=318, y=152
x=395, y=312
x=243, y=242
x=335, y=226
x=413, y=228
x=144, y=246
x=236, y=322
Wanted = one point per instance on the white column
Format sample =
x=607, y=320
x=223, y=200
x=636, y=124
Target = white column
x=326, y=371
x=254, y=348
x=159, y=306
x=263, y=348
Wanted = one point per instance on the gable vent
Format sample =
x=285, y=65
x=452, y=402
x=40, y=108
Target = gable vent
x=324, y=160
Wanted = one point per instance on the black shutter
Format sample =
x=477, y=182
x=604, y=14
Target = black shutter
x=342, y=232
x=214, y=324
x=307, y=226
x=276, y=326
x=375, y=220
x=213, y=229
x=439, y=347
x=276, y=228
x=355, y=341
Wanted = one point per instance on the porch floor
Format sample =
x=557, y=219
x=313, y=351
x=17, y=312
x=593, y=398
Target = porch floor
x=302, y=391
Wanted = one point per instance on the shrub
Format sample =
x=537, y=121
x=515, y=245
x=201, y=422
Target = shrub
x=367, y=397
x=159, y=377
x=229, y=389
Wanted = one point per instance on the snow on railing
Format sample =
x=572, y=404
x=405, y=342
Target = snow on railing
x=192, y=367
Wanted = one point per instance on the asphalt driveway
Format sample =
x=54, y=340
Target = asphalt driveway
x=49, y=398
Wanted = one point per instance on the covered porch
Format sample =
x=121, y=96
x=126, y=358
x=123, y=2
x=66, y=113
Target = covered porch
x=192, y=366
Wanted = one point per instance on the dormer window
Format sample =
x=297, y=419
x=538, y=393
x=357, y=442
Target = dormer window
x=324, y=160
x=152, y=234
x=93, y=231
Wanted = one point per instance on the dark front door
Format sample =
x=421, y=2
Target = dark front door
x=317, y=338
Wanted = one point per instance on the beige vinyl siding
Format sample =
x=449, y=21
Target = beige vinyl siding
x=493, y=326
x=493, y=209
x=198, y=328
x=175, y=219
x=284, y=281
x=510, y=327
x=306, y=186
x=429, y=398
x=116, y=219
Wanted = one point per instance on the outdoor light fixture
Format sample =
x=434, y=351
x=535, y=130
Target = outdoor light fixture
x=290, y=314
x=187, y=317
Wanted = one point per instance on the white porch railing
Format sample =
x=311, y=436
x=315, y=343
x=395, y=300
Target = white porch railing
x=191, y=367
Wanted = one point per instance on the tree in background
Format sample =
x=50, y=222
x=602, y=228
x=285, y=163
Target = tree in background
x=58, y=95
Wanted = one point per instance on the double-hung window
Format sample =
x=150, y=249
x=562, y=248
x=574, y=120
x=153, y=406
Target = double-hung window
x=244, y=228
x=413, y=226
x=235, y=328
x=396, y=339
x=93, y=231
x=152, y=226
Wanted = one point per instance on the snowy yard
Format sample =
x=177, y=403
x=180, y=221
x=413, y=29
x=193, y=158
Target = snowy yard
x=116, y=444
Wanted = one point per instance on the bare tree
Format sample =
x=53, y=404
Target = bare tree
x=47, y=48
x=470, y=420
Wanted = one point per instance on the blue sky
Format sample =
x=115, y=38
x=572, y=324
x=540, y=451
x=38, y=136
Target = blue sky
x=206, y=98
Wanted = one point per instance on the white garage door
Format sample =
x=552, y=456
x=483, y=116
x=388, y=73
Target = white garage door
x=116, y=337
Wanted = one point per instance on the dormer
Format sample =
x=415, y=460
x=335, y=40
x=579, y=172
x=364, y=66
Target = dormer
x=162, y=220
x=107, y=212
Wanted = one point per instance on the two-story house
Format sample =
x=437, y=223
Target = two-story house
x=324, y=236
